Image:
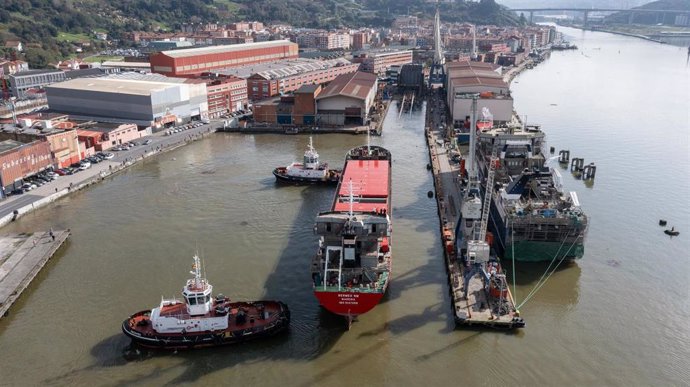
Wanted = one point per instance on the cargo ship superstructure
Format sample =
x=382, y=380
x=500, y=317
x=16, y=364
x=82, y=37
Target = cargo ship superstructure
x=532, y=218
x=352, y=267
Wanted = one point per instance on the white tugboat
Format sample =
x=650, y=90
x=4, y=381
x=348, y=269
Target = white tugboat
x=308, y=172
x=200, y=320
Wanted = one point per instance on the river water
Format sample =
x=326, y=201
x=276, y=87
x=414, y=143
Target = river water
x=619, y=316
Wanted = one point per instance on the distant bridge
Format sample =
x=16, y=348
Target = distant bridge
x=587, y=11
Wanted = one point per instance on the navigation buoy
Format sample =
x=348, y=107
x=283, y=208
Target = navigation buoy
x=671, y=232
x=430, y=194
x=662, y=222
x=553, y=149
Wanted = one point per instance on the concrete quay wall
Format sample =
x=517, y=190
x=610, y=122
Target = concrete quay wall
x=25, y=261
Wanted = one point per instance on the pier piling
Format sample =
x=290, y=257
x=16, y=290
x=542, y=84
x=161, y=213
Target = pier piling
x=589, y=172
x=577, y=164
x=564, y=156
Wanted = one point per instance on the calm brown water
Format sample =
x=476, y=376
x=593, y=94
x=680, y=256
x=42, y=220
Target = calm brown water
x=617, y=317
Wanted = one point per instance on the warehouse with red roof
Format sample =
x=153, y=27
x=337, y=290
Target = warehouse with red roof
x=195, y=61
x=347, y=100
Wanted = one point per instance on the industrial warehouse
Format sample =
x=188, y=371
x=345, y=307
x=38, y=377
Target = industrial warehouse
x=147, y=100
x=195, y=61
x=468, y=78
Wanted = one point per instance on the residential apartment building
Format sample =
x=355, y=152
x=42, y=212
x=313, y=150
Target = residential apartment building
x=378, y=62
x=22, y=82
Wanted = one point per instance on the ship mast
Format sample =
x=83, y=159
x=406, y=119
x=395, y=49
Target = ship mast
x=471, y=172
x=368, y=143
x=351, y=199
x=473, y=55
x=196, y=271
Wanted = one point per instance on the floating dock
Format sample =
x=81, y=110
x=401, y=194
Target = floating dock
x=22, y=256
x=473, y=310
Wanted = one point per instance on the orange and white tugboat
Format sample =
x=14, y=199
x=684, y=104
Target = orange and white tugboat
x=201, y=320
x=351, y=270
x=308, y=172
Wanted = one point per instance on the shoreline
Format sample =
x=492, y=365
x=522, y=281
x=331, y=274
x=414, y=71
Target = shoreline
x=639, y=36
x=114, y=167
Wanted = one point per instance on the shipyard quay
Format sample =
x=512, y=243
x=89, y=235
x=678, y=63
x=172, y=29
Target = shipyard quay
x=616, y=315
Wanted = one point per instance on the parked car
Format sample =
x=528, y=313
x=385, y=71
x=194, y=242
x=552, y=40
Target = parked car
x=109, y=156
x=29, y=186
x=148, y=141
x=35, y=182
x=61, y=172
x=17, y=191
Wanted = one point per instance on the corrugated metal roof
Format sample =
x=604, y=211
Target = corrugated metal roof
x=113, y=85
x=141, y=65
x=307, y=89
x=466, y=73
x=356, y=85
x=478, y=81
x=282, y=69
x=476, y=65
x=184, y=53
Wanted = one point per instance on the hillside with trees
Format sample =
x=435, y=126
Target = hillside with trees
x=652, y=18
x=52, y=30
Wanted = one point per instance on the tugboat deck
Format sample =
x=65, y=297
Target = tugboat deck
x=254, y=317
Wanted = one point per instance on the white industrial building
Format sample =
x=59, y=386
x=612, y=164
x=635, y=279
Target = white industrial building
x=146, y=99
x=347, y=100
x=463, y=79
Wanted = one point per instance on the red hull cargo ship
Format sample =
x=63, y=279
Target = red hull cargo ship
x=351, y=269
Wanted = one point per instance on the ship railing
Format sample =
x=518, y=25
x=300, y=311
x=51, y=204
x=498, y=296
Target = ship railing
x=518, y=220
x=355, y=289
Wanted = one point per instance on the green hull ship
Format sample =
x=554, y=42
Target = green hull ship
x=530, y=251
x=531, y=217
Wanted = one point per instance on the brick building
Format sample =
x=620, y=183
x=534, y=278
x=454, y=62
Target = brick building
x=104, y=135
x=63, y=143
x=271, y=79
x=226, y=93
x=360, y=40
x=19, y=160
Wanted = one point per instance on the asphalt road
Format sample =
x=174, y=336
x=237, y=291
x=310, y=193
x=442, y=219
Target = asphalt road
x=159, y=141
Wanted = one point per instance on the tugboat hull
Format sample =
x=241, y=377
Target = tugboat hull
x=285, y=178
x=138, y=328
